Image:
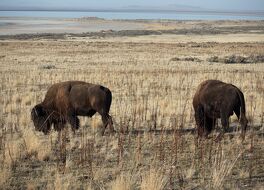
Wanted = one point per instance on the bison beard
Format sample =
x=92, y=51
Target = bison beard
x=215, y=99
x=67, y=100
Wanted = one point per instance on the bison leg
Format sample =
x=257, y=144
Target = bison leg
x=74, y=122
x=204, y=124
x=110, y=122
x=225, y=125
x=58, y=126
x=59, y=123
x=107, y=120
x=199, y=119
x=209, y=125
x=224, y=121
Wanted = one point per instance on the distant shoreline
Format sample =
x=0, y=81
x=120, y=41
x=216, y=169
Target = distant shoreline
x=96, y=28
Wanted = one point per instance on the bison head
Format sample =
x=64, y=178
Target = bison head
x=40, y=118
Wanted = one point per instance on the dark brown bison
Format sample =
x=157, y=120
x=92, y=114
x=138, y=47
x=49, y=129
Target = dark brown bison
x=66, y=100
x=216, y=99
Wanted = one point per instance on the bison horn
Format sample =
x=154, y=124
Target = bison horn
x=35, y=111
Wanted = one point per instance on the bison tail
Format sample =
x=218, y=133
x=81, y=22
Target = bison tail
x=108, y=98
x=242, y=102
x=243, y=120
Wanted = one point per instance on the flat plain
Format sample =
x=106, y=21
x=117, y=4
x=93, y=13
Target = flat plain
x=153, y=74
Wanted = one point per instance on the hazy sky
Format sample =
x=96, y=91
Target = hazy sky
x=208, y=4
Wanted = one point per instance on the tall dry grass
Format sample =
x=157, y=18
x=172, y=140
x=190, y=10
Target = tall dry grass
x=151, y=109
x=153, y=179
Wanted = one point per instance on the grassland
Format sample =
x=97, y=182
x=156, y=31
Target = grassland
x=153, y=79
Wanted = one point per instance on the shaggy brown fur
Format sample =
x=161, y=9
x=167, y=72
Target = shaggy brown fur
x=66, y=100
x=216, y=99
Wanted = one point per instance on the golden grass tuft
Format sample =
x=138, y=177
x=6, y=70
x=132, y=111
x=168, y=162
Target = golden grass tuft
x=62, y=181
x=153, y=179
x=34, y=145
x=123, y=182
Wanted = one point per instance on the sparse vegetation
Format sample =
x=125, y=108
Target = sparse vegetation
x=155, y=146
x=191, y=59
x=237, y=59
x=47, y=67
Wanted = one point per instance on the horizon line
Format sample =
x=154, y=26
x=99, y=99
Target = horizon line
x=251, y=12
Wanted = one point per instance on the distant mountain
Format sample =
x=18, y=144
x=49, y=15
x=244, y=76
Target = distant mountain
x=171, y=7
x=186, y=8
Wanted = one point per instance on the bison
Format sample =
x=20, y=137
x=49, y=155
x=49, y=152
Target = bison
x=216, y=99
x=66, y=100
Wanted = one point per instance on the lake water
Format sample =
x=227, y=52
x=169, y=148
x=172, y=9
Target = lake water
x=136, y=15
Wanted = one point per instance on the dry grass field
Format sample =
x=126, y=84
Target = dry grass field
x=152, y=79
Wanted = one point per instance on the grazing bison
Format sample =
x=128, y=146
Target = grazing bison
x=216, y=99
x=66, y=100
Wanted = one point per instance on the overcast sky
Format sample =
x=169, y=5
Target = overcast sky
x=207, y=4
